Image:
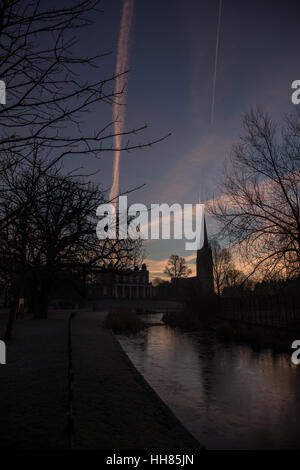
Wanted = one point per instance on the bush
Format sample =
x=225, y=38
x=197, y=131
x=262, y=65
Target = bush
x=124, y=321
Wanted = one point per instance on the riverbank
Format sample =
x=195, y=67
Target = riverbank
x=257, y=336
x=113, y=407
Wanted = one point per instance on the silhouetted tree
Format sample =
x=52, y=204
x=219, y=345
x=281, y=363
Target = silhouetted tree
x=177, y=267
x=52, y=228
x=260, y=208
x=48, y=92
x=222, y=264
x=44, y=221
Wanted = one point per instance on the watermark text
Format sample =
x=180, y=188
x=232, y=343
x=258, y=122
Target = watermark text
x=295, y=358
x=160, y=221
x=2, y=353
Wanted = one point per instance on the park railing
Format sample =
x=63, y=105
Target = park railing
x=280, y=310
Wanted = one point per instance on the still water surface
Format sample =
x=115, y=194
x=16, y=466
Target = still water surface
x=229, y=397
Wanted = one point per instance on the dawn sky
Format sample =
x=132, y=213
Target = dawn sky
x=170, y=88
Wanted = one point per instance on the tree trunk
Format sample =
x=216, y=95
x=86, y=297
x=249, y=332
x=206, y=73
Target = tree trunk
x=11, y=319
x=19, y=292
x=41, y=297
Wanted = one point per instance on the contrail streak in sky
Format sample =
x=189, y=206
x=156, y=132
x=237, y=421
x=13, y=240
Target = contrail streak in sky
x=120, y=85
x=212, y=114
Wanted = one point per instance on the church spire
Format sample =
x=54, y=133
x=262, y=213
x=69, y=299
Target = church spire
x=205, y=265
x=205, y=239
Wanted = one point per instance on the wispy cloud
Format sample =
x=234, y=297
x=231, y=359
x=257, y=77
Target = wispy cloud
x=212, y=113
x=187, y=176
x=119, y=108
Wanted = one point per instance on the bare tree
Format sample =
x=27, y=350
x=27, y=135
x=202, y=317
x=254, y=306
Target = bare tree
x=51, y=228
x=177, y=267
x=259, y=210
x=225, y=272
x=222, y=264
x=42, y=71
x=45, y=215
x=48, y=93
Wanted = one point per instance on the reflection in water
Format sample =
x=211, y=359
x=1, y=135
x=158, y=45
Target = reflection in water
x=228, y=397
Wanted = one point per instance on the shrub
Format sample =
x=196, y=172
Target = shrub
x=124, y=321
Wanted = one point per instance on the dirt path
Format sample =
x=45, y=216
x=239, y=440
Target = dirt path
x=33, y=386
x=114, y=408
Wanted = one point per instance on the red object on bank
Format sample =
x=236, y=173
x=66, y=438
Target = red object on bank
x=21, y=307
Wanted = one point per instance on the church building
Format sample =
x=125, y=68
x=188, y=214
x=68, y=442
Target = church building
x=204, y=279
x=204, y=266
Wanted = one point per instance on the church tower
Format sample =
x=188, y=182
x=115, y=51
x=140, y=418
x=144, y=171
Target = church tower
x=205, y=266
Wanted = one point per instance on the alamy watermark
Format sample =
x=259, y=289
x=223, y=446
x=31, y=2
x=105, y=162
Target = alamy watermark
x=2, y=92
x=160, y=221
x=2, y=353
x=296, y=94
x=295, y=358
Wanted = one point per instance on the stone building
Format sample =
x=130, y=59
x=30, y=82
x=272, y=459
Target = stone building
x=129, y=284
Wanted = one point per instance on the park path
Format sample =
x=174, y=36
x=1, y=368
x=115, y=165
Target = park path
x=33, y=400
x=113, y=407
